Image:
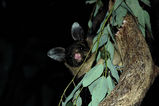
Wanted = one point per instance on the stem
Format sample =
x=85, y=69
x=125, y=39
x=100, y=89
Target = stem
x=78, y=96
x=101, y=32
x=106, y=68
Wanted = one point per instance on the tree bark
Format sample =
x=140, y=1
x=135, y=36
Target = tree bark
x=139, y=70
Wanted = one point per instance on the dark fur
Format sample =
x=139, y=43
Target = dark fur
x=80, y=47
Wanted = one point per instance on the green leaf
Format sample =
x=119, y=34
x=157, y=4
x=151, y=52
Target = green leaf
x=98, y=6
x=112, y=69
x=69, y=104
x=104, y=37
x=134, y=6
x=102, y=41
x=101, y=25
x=98, y=90
x=110, y=32
x=147, y=21
x=144, y=21
x=110, y=49
x=110, y=83
x=72, y=94
x=120, y=14
x=138, y=12
x=92, y=75
x=90, y=1
x=89, y=24
x=117, y=4
x=113, y=21
x=94, y=44
x=77, y=101
x=147, y=2
x=96, y=10
x=98, y=56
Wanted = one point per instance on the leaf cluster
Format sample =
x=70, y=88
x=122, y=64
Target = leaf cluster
x=103, y=77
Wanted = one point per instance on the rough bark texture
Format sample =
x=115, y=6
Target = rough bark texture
x=139, y=70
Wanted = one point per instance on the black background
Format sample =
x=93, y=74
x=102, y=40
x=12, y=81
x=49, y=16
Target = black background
x=28, y=29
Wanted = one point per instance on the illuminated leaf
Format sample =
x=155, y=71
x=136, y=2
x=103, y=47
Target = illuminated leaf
x=90, y=24
x=69, y=104
x=110, y=49
x=98, y=90
x=92, y=75
x=112, y=69
x=98, y=56
x=90, y=1
x=111, y=85
x=99, y=4
x=77, y=101
x=147, y=21
x=72, y=94
x=102, y=41
x=110, y=32
x=147, y=2
x=117, y=4
x=138, y=12
x=120, y=14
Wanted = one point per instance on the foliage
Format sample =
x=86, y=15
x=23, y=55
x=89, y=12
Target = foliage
x=103, y=77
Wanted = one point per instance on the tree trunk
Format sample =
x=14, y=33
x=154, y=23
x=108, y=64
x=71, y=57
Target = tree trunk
x=139, y=70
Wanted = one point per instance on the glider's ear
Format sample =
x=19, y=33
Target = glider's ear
x=77, y=31
x=57, y=54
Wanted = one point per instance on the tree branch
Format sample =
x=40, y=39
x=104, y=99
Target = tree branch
x=139, y=70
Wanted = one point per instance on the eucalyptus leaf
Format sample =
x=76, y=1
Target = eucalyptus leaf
x=90, y=24
x=147, y=2
x=142, y=23
x=102, y=41
x=92, y=75
x=96, y=10
x=110, y=32
x=120, y=14
x=110, y=49
x=69, y=104
x=90, y=1
x=77, y=101
x=92, y=86
x=124, y=5
x=117, y=4
x=110, y=83
x=98, y=90
x=134, y=6
x=98, y=56
x=138, y=12
x=94, y=46
x=113, y=21
x=112, y=69
x=147, y=21
x=72, y=94
x=104, y=37
x=95, y=39
x=101, y=25
x=98, y=6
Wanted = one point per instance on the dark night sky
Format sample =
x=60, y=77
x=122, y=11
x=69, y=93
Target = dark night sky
x=28, y=29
